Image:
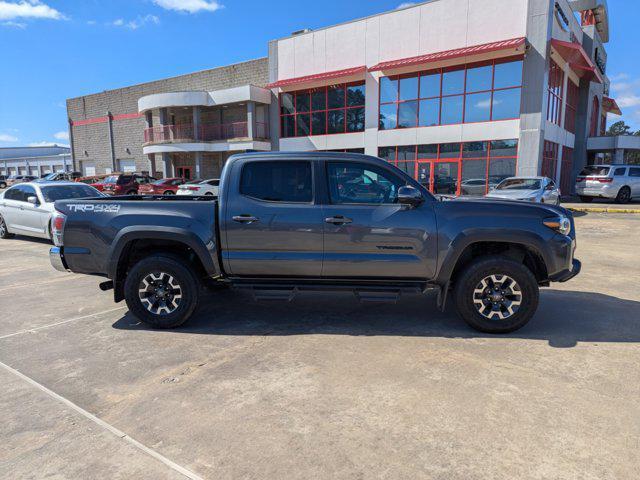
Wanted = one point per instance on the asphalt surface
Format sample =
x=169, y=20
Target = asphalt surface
x=323, y=387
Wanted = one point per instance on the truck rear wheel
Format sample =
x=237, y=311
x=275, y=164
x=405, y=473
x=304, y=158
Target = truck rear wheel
x=495, y=294
x=162, y=291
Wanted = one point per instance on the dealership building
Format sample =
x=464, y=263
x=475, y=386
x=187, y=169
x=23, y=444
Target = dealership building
x=36, y=161
x=457, y=94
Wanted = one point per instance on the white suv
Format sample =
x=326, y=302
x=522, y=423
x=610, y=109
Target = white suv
x=618, y=182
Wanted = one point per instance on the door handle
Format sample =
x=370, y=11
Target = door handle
x=338, y=220
x=248, y=219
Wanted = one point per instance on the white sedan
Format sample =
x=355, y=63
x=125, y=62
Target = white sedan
x=27, y=208
x=200, y=187
x=528, y=189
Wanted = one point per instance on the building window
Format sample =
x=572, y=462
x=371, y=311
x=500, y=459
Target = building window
x=323, y=110
x=550, y=159
x=572, y=107
x=595, y=115
x=566, y=171
x=603, y=124
x=469, y=168
x=475, y=93
x=556, y=90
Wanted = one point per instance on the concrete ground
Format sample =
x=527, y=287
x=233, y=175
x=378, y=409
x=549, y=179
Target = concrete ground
x=323, y=387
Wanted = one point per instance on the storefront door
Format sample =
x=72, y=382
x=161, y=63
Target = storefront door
x=184, y=172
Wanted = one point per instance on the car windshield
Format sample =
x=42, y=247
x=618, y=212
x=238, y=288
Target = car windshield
x=64, y=192
x=519, y=184
x=50, y=176
x=162, y=181
x=592, y=171
x=111, y=179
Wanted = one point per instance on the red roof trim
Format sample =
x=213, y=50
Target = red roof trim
x=610, y=105
x=127, y=116
x=347, y=72
x=105, y=119
x=574, y=54
x=450, y=54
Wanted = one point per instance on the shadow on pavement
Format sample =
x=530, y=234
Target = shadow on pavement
x=564, y=318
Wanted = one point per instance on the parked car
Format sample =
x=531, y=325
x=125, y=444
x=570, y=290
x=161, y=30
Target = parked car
x=125, y=183
x=200, y=187
x=528, y=189
x=15, y=179
x=164, y=186
x=60, y=177
x=96, y=181
x=27, y=208
x=283, y=224
x=615, y=182
x=3, y=181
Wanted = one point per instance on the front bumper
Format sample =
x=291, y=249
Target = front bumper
x=566, y=275
x=56, y=257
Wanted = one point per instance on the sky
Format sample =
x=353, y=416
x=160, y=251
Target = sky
x=51, y=50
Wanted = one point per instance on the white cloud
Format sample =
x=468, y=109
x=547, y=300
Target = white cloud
x=6, y=138
x=91, y=22
x=405, y=5
x=628, y=101
x=626, y=91
x=28, y=9
x=189, y=6
x=12, y=24
x=487, y=103
x=64, y=135
x=46, y=144
x=137, y=23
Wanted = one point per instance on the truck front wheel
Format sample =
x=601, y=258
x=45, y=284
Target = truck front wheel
x=162, y=291
x=495, y=294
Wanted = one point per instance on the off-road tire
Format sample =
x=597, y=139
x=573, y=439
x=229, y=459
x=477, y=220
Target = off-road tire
x=4, y=231
x=586, y=199
x=485, y=266
x=168, y=192
x=183, y=275
x=624, y=195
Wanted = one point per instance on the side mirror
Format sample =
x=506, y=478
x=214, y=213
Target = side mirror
x=409, y=195
x=33, y=200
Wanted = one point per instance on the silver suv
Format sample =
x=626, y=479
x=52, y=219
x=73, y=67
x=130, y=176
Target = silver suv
x=618, y=182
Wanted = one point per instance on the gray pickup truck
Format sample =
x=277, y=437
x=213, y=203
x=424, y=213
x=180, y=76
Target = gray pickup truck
x=286, y=223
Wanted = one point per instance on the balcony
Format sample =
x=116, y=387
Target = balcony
x=204, y=133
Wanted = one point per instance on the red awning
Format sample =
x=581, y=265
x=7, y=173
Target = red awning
x=347, y=72
x=609, y=105
x=577, y=58
x=510, y=46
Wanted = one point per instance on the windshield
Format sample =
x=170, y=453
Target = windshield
x=50, y=176
x=519, y=184
x=111, y=179
x=64, y=192
x=592, y=171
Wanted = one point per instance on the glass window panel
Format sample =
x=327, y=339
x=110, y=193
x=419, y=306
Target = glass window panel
x=387, y=153
x=499, y=169
x=409, y=88
x=302, y=102
x=478, y=107
x=335, y=96
x=355, y=95
x=506, y=104
x=451, y=111
x=319, y=123
x=504, y=148
x=388, y=116
x=355, y=119
x=408, y=114
x=357, y=183
x=429, y=112
x=453, y=82
x=508, y=74
x=408, y=167
x=475, y=149
x=336, y=121
x=430, y=85
x=302, y=125
x=407, y=153
x=288, y=126
x=479, y=78
x=428, y=151
x=286, y=103
x=388, y=90
x=450, y=150
x=277, y=181
x=445, y=178
x=424, y=174
x=319, y=100
x=474, y=178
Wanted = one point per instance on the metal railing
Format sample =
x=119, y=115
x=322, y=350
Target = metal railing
x=206, y=132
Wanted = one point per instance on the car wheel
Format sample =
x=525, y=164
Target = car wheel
x=168, y=192
x=3, y=185
x=132, y=192
x=162, y=291
x=208, y=194
x=4, y=231
x=624, y=195
x=586, y=199
x=495, y=294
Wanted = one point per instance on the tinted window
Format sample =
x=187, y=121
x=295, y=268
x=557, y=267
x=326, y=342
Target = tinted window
x=388, y=90
x=506, y=104
x=408, y=88
x=634, y=172
x=357, y=183
x=508, y=75
x=124, y=179
x=479, y=78
x=277, y=181
x=594, y=171
x=63, y=192
x=13, y=194
x=619, y=172
x=520, y=184
x=453, y=82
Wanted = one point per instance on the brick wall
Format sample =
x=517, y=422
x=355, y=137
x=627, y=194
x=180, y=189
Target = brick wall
x=128, y=133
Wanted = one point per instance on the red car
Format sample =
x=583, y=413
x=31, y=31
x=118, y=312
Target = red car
x=96, y=181
x=125, y=184
x=164, y=186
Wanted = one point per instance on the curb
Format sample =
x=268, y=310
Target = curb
x=602, y=210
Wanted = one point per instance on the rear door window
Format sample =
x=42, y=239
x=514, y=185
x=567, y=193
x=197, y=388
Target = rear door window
x=593, y=171
x=290, y=182
x=619, y=172
x=634, y=172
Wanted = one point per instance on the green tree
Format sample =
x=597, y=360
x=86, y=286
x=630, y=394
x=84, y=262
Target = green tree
x=619, y=128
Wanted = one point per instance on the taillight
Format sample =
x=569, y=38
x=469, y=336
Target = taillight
x=605, y=180
x=57, y=228
x=193, y=189
x=580, y=179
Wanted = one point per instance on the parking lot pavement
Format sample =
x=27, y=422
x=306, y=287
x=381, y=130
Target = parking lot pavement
x=325, y=387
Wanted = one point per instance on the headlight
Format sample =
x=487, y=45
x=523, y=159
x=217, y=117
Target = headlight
x=560, y=224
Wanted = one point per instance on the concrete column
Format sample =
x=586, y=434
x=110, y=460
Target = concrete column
x=198, y=161
x=111, y=143
x=167, y=164
x=251, y=120
x=534, y=90
x=196, y=122
x=618, y=155
x=371, y=114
